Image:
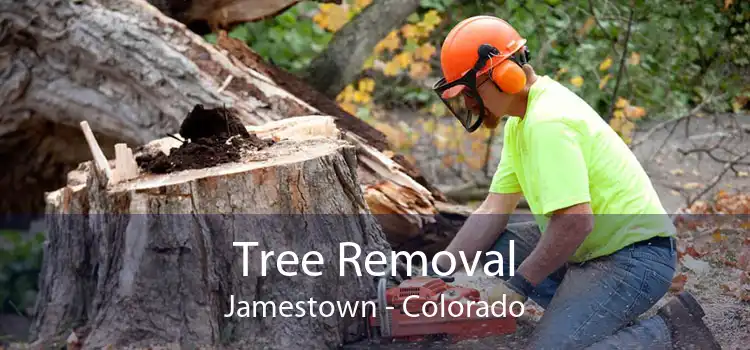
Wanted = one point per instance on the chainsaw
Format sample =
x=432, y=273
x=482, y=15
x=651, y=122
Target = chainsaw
x=428, y=307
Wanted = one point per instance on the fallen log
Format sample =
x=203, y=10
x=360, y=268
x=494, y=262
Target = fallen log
x=149, y=261
x=133, y=74
x=205, y=16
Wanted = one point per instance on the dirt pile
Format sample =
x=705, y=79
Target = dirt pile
x=212, y=137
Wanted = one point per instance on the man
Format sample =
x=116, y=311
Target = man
x=602, y=250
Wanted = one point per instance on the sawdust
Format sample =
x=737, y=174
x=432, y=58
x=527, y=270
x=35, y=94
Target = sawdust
x=213, y=137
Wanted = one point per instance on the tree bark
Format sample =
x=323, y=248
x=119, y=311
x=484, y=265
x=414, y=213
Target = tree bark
x=150, y=261
x=206, y=16
x=134, y=74
x=345, y=54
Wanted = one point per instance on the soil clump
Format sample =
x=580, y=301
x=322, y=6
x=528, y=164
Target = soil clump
x=212, y=137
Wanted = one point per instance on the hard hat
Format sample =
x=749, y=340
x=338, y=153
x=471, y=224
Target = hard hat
x=475, y=46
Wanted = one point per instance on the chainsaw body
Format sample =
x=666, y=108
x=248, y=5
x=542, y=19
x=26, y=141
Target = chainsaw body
x=422, y=307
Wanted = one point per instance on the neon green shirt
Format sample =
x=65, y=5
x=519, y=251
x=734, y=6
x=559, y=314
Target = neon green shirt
x=563, y=153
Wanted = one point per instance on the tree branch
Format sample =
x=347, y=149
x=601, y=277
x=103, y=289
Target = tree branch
x=728, y=165
x=622, y=62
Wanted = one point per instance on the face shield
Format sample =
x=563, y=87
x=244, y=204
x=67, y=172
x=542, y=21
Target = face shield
x=461, y=96
x=463, y=100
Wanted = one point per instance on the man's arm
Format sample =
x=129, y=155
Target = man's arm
x=566, y=230
x=482, y=227
x=562, y=188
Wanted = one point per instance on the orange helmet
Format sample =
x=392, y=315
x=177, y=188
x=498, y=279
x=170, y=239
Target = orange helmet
x=475, y=46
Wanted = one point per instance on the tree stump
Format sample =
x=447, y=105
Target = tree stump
x=150, y=261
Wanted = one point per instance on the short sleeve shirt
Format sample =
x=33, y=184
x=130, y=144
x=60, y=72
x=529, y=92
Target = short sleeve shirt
x=562, y=153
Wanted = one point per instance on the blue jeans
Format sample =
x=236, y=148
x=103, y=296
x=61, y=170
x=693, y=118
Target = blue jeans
x=595, y=304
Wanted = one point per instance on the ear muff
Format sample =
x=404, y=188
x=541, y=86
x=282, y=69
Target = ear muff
x=509, y=76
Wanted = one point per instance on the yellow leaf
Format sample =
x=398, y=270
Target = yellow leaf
x=616, y=124
x=359, y=96
x=618, y=114
x=627, y=128
x=347, y=94
x=338, y=17
x=390, y=42
x=692, y=186
x=403, y=59
x=360, y=4
x=425, y=51
x=604, y=81
x=419, y=70
x=742, y=174
x=634, y=59
x=392, y=68
x=321, y=20
x=349, y=107
x=621, y=102
x=635, y=112
x=318, y=18
x=367, y=99
x=409, y=31
x=423, y=30
x=606, y=64
x=362, y=85
x=367, y=84
x=577, y=81
x=717, y=236
x=327, y=7
x=677, y=172
x=431, y=18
